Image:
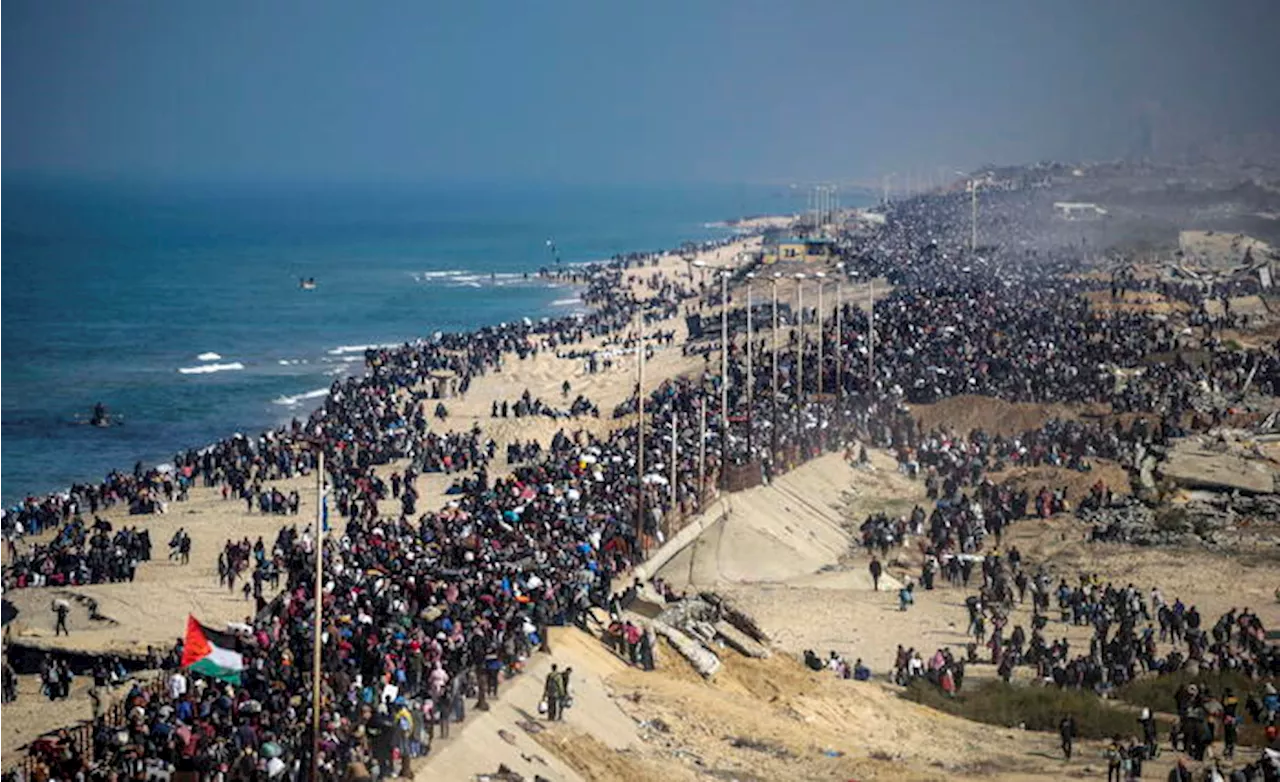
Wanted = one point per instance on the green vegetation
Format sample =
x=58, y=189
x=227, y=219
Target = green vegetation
x=1157, y=692
x=1038, y=708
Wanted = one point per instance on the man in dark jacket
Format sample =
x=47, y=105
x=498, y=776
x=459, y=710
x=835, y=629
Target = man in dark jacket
x=1067, y=730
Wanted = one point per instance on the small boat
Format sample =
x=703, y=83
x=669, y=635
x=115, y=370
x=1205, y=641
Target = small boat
x=307, y=283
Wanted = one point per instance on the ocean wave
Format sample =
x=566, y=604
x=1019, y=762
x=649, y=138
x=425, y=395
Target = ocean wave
x=211, y=356
x=448, y=273
x=297, y=399
x=289, y=362
x=566, y=302
x=342, y=350
x=205, y=369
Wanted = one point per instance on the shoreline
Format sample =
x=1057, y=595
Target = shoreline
x=149, y=611
x=574, y=276
x=563, y=284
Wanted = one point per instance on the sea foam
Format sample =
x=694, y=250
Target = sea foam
x=208, y=357
x=344, y=349
x=297, y=399
x=205, y=369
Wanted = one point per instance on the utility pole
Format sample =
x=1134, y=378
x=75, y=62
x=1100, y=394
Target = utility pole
x=724, y=375
x=702, y=446
x=675, y=436
x=839, y=343
x=821, y=277
x=316, y=641
x=973, y=222
x=751, y=377
x=800, y=340
x=640, y=432
x=750, y=372
x=773, y=404
x=871, y=331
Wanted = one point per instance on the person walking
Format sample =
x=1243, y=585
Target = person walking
x=60, y=609
x=905, y=597
x=1067, y=731
x=1115, y=760
x=876, y=571
x=1150, y=745
x=553, y=693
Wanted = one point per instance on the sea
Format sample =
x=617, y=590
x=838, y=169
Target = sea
x=178, y=305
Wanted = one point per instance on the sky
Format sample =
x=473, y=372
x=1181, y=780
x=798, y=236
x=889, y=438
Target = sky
x=671, y=92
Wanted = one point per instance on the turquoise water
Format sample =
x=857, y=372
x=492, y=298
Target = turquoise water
x=110, y=290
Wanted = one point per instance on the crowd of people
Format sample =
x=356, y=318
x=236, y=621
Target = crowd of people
x=528, y=405
x=78, y=554
x=423, y=610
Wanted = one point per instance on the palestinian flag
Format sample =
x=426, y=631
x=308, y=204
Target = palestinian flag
x=211, y=652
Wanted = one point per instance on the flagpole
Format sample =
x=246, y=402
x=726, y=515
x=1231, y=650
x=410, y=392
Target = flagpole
x=319, y=598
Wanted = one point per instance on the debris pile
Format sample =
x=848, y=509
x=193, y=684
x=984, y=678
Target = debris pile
x=697, y=627
x=1204, y=519
x=1126, y=520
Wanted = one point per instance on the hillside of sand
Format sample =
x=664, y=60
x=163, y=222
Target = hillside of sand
x=774, y=719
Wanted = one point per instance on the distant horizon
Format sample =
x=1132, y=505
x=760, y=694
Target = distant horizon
x=579, y=92
x=26, y=177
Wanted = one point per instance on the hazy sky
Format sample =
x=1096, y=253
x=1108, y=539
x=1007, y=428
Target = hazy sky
x=683, y=91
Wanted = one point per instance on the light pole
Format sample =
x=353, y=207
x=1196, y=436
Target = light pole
x=317, y=654
x=773, y=403
x=724, y=374
x=702, y=446
x=675, y=491
x=800, y=332
x=839, y=344
x=640, y=430
x=751, y=377
x=750, y=374
x=871, y=331
x=821, y=277
x=973, y=221
x=724, y=363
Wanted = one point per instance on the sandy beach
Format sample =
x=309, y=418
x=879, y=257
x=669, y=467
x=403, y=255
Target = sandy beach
x=152, y=610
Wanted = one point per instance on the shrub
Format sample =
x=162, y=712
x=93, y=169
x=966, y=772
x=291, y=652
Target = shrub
x=1157, y=692
x=1036, y=707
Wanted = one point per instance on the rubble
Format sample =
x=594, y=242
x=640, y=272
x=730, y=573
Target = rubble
x=696, y=625
x=1225, y=462
x=1127, y=520
x=740, y=642
x=1201, y=520
x=703, y=660
x=735, y=617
